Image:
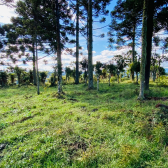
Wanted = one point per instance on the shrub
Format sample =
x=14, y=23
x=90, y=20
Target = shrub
x=43, y=76
x=3, y=78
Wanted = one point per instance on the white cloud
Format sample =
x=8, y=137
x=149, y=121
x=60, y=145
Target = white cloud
x=7, y=13
x=161, y=34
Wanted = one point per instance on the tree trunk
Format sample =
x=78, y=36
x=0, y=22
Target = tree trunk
x=154, y=76
x=37, y=72
x=150, y=13
x=54, y=77
x=38, y=82
x=109, y=78
x=77, y=43
x=97, y=82
x=85, y=81
x=118, y=78
x=133, y=51
x=144, y=45
x=34, y=67
x=137, y=77
x=18, y=79
x=159, y=66
x=58, y=50
x=90, y=65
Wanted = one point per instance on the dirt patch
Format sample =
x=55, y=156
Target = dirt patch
x=77, y=146
x=94, y=110
x=157, y=98
x=75, y=100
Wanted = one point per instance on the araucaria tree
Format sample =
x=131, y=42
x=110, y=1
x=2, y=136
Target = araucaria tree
x=59, y=64
x=126, y=17
x=56, y=29
x=93, y=9
x=45, y=23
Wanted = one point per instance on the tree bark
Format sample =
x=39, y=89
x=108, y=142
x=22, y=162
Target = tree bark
x=34, y=67
x=150, y=13
x=90, y=65
x=58, y=49
x=77, y=43
x=144, y=47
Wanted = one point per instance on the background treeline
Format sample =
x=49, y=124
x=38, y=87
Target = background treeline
x=48, y=27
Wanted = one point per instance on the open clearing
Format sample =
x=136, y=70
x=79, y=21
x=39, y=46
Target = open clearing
x=83, y=128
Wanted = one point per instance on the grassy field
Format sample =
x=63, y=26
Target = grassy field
x=83, y=128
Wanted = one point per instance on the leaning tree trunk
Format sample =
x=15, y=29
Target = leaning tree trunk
x=58, y=50
x=90, y=65
x=150, y=12
x=77, y=43
x=34, y=67
x=144, y=45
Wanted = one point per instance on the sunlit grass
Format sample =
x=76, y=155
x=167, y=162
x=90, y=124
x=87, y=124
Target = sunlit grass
x=82, y=128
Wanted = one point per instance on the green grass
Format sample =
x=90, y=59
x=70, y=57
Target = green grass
x=83, y=128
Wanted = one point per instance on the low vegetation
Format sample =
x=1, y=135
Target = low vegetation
x=84, y=128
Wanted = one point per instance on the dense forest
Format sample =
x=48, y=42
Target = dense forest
x=85, y=114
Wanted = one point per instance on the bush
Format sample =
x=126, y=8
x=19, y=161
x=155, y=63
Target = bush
x=43, y=76
x=53, y=79
x=163, y=81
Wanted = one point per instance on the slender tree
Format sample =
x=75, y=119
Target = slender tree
x=90, y=46
x=77, y=42
x=150, y=13
x=144, y=47
x=58, y=49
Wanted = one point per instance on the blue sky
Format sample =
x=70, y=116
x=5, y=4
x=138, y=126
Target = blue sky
x=100, y=50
